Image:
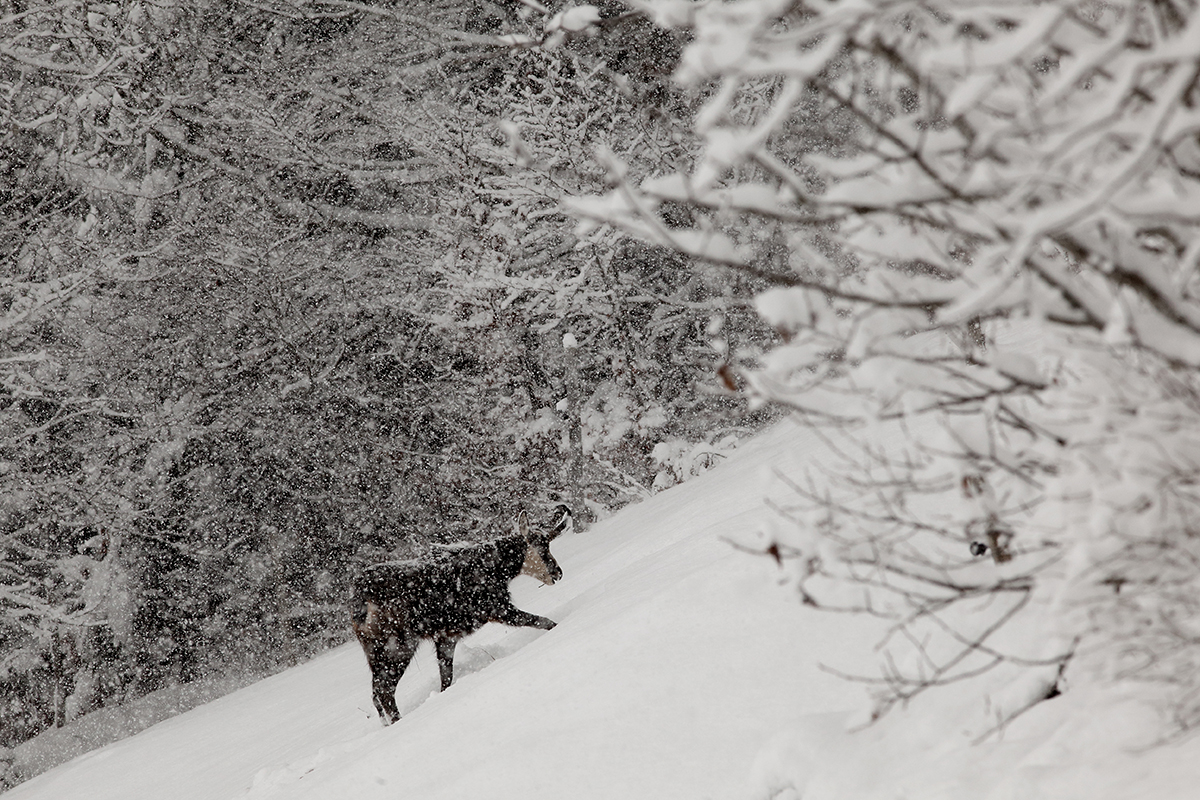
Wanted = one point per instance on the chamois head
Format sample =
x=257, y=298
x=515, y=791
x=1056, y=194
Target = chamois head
x=539, y=562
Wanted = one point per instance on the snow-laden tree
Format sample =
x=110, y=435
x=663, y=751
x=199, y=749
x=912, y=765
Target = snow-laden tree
x=982, y=225
x=281, y=292
x=518, y=280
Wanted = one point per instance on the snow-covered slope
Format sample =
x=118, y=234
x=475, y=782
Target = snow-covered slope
x=681, y=668
x=675, y=659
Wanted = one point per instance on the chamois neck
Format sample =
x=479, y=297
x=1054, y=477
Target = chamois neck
x=510, y=551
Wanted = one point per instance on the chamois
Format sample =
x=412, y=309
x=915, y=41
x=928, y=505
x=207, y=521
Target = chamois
x=444, y=597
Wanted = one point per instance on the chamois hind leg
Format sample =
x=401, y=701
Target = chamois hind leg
x=388, y=658
x=444, y=644
x=384, y=678
x=523, y=619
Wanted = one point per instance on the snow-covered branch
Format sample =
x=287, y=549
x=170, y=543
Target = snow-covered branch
x=982, y=224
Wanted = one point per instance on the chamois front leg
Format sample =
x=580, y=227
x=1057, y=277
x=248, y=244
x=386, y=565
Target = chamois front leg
x=445, y=655
x=523, y=619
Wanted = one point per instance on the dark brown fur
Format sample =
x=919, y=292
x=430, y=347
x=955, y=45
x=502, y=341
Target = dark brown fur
x=444, y=597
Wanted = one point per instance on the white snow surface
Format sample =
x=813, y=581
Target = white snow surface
x=682, y=667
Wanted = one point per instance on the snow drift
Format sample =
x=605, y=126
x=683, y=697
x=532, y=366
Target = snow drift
x=675, y=659
x=682, y=667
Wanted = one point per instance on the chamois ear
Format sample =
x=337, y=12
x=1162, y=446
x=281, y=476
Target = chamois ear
x=522, y=526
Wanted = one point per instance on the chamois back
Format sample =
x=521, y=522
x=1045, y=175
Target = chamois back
x=452, y=592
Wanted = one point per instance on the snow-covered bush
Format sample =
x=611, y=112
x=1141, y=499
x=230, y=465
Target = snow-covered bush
x=981, y=224
x=680, y=459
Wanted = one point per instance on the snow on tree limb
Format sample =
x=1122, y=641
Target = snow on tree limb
x=984, y=225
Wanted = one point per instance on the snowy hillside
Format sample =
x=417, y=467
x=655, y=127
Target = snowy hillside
x=680, y=669
x=673, y=663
